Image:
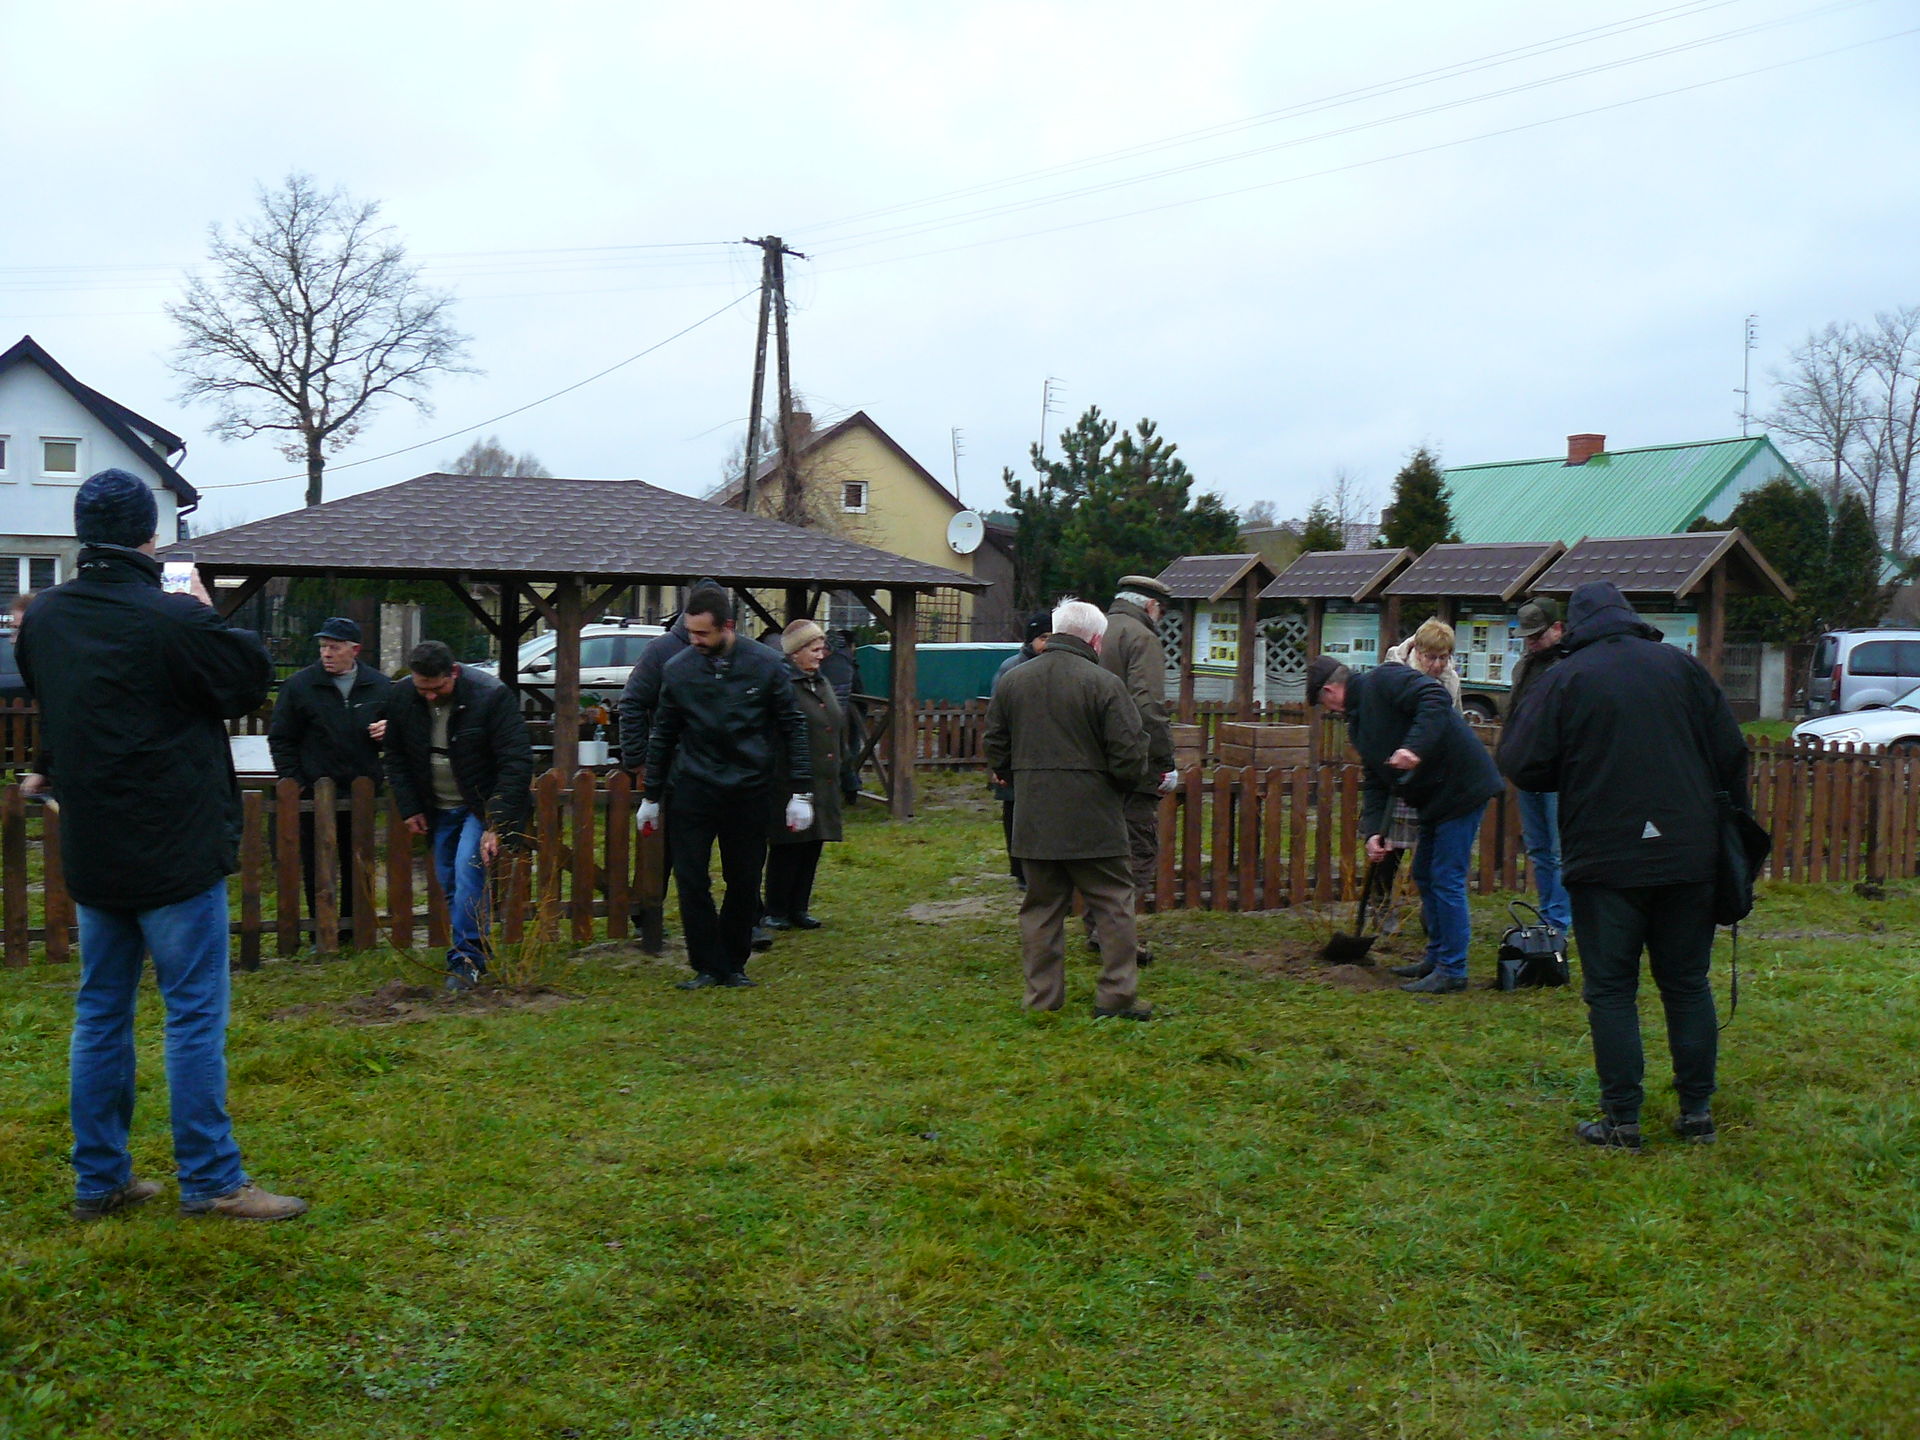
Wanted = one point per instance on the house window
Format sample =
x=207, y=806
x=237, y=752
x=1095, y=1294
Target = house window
x=853, y=497
x=3, y=454
x=845, y=612
x=59, y=456
x=22, y=573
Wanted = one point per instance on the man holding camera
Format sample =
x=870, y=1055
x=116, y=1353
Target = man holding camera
x=135, y=686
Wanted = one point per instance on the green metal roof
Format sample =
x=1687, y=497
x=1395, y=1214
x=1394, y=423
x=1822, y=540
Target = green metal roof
x=1652, y=490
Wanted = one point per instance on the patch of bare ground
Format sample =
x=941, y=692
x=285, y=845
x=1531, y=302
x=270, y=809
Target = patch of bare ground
x=1302, y=961
x=946, y=912
x=398, y=1003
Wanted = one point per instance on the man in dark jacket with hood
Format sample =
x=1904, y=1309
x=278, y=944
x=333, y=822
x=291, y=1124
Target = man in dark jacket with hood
x=460, y=760
x=134, y=686
x=1416, y=747
x=711, y=758
x=1636, y=737
x=323, y=729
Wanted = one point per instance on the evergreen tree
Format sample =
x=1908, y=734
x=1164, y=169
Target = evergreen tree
x=1789, y=525
x=1115, y=503
x=1323, y=530
x=1420, y=517
x=1850, y=595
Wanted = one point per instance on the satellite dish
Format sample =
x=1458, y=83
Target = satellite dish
x=965, y=532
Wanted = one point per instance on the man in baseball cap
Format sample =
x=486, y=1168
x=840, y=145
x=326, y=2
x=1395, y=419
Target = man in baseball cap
x=1540, y=626
x=1132, y=650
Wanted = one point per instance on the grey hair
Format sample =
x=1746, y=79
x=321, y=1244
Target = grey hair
x=1079, y=619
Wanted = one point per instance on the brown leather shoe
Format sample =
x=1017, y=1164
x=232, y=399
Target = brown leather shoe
x=249, y=1202
x=134, y=1192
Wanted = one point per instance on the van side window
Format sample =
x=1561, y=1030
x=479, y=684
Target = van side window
x=1827, y=653
x=597, y=652
x=1885, y=657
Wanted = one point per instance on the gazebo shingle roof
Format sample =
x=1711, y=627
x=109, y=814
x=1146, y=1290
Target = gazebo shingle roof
x=1353, y=575
x=1208, y=577
x=1665, y=566
x=510, y=525
x=1501, y=571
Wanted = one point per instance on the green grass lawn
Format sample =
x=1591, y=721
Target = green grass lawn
x=872, y=1198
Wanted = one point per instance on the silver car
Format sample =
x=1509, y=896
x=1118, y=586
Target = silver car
x=1885, y=727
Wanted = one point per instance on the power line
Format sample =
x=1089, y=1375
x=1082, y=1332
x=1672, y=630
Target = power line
x=504, y=415
x=928, y=226
x=1378, y=159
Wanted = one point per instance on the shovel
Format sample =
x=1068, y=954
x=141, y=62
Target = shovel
x=1375, y=890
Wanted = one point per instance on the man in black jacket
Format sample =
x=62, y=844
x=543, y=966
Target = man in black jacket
x=134, y=686
x=459, y=760
x=323, y=729
x=711, y=758
x=1416, y=747
x=1636, y=737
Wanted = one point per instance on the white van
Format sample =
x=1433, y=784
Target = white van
x=1861, y=670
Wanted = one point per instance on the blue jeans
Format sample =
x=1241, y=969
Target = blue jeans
x=463, y=880
x=188, y=942
x=1540, y=830
x=1440, y=873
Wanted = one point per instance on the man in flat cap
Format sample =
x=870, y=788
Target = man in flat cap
x=135, y=688
x=326, y=725
x=1540, y=628
x=1131, y=650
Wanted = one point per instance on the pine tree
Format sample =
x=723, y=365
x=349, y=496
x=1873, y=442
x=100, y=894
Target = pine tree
x=1323, y=529
x=1788, y=524
x=1420, y=517
x=1850, y=595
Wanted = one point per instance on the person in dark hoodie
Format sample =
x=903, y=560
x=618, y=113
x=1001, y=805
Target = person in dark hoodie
x=1416, y=747
x=135, y=686
x=1636, y=737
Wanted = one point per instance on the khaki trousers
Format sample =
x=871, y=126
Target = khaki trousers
x=1043, y=941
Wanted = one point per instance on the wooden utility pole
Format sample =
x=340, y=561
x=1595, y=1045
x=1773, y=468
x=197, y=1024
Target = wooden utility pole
x=773, y=302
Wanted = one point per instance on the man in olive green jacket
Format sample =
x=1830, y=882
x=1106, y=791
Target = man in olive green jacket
x=1132, y=651
x=1068, y=736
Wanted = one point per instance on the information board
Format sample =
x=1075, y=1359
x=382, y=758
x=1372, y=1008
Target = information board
x=1352, y=637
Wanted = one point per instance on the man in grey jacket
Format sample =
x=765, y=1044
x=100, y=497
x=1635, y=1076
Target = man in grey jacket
x=1068, y=736
x=1132, y=651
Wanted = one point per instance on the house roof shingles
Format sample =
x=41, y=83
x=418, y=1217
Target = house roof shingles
x=1667, y=567
x=1354, y=575
x=1642, y=491
x=1499, y=571
x=1209, y=577
x=509, y=525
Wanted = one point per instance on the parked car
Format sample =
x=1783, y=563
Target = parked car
x=1883, y=727
x=608, y=651
x=1861, y=669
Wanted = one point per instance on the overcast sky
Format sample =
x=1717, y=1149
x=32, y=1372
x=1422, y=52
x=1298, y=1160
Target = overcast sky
x=1291, y=301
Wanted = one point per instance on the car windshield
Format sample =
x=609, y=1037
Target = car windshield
x=1909, y=701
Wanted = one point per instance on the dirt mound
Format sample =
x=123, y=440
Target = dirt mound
x=946, y=912
x=1303, y=962
x=398, y=1003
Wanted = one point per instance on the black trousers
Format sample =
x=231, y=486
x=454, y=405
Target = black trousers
x=1006, y=828
x=718, y=941
x=1674, y=925
x=343, y=870
x=790, y=872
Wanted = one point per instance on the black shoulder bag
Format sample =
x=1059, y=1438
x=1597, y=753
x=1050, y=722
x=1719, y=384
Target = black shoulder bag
x=1532, y=955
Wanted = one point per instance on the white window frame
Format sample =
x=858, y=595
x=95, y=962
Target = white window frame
x=23, y=570
x=6, y=445
x=64, y=477
x=865, y=492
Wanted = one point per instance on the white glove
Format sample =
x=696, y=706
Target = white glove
x=647, y=818
x=1169, y=782
x=800, y=813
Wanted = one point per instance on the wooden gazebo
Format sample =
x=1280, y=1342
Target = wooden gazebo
x=1195, y=580
x=559, y=549
x=1354, y=577
x=1703, y=568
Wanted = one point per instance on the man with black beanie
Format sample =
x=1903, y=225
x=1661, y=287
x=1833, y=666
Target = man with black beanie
x=134, y=687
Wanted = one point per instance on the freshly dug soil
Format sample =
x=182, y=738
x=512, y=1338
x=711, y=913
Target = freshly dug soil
x=398, y=1003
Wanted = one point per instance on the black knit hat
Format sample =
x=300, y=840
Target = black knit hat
x=115, y=507
x=1039, y=623
x=1324, y=671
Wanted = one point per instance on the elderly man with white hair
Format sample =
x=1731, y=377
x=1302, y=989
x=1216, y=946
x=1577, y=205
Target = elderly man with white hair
x=1067, y=736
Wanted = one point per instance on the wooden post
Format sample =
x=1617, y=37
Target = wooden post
x=1316, y=633
x=510, y=636
x=1249, y=650
x=1187, y=640
x=905, y=698
x=1442, y=611
x=566, y=677
x=799, y=604
x=1390, y=623
x=1713, y=621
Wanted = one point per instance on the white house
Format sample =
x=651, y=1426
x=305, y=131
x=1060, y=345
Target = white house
x=54, y=432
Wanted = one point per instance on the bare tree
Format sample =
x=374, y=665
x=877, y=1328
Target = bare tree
x=1355, y=507
x=490, y=457
x=310, y=318
x=1260, y=515
x=1849, y=410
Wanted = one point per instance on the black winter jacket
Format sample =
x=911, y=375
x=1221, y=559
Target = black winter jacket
x=488, y=745
x=1391, y=708
x=1636, y=737
x=641, y=695
x=317, y=735
x=134, y=686
x=717, y=719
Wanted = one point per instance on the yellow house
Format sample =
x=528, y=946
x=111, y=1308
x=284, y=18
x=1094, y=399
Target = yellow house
x=857, y=482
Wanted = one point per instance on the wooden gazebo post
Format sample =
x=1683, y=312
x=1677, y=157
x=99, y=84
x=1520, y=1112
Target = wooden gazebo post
x=1187, y=639
x=1713, y=622
x=1249, y=651
x=566, y=676
x=903, y=712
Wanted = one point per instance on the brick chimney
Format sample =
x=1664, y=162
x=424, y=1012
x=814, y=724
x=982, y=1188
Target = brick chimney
x=1582, y=448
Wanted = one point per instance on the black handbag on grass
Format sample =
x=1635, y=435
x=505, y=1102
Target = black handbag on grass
x=1533, y=955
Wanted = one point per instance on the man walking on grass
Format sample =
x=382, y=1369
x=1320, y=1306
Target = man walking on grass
x=135, y=686
x=1639, y=742
x=1067, y=736
x=1132, y=651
